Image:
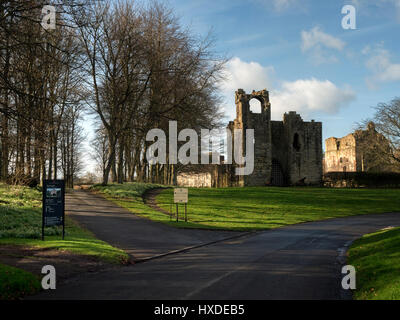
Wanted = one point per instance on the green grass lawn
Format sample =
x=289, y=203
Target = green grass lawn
x=21, y=224
x=21, y=220
x=15, y=283
x=129, y=196
x=257, y=208
x=376, y=258
x=126, y=190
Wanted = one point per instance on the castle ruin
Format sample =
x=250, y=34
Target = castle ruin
x=351, y=154
x=287, y=152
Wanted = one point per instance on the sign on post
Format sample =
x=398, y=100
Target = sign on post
x=53, y=204
x=181, y=196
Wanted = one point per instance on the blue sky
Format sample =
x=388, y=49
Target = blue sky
x=299, y=51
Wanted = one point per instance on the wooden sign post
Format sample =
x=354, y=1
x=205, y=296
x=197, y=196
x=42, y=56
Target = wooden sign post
x=181, y=196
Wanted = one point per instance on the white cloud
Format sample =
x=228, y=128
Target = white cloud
x=304, y=95
x=318, y=42
x=246, y=75
x=381, y=65
x=316, y=37
x=310, y=95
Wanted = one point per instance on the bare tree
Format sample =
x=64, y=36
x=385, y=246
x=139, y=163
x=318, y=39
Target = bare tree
x=381, y=143
x=134, y=67
x=70, y=142
x=100, y=149
x=38, y=82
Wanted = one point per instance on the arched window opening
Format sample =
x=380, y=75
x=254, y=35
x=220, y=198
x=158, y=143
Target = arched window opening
x=255, y=106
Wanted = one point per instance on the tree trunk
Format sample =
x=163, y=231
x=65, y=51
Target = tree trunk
x=4, y=148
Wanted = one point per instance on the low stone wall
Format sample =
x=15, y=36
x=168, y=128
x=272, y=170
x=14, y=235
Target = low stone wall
x=195, y=180
x=361, y=180
x=212, y=176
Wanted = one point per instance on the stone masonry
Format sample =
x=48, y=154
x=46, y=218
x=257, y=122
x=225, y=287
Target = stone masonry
x=287, y=152
x=346, y=154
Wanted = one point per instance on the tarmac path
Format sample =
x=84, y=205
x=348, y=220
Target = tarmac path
x=301, y=261
x=141, y=238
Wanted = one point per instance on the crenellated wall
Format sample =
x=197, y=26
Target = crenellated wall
x=355, y=152
x=340, y=154
x=287, y=152
x=303, y=143
x=260, y=122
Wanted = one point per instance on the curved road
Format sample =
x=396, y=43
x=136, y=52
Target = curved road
x=297, y=262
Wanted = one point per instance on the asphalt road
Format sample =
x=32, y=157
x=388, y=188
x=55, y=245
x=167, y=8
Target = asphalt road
x=297, y=262
x=140, y=238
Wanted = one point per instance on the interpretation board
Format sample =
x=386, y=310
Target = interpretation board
x=53, y=204
x=180, y=195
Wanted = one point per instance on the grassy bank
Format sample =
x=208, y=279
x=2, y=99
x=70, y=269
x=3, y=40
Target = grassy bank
x=20, y=224
x=15, y=283
x=257, y=208
x=131, y=190
x=129, y=196
x=376, y=258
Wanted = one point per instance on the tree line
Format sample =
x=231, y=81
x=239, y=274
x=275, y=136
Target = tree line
x=132, y=66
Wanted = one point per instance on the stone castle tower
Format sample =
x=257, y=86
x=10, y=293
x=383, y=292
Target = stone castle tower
x=286, y=152
x=354, y=152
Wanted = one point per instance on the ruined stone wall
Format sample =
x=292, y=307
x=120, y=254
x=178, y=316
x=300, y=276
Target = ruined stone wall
x=279, y=144
x=292, y=147
x=362, y=180
x=356, y=152
x=311, y=165
x=303, y=141
x=341, y=155
x=195, y=180
x=280, y=149
x=286, y=152
x=260, y=122
x=213, y=175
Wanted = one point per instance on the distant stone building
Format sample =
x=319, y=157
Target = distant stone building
x=352, y=152
x=206, y=176
x=286, y=152
x=341, y=155
x=195, y=180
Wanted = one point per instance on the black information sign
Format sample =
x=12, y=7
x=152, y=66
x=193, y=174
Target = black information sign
x=53, y=204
